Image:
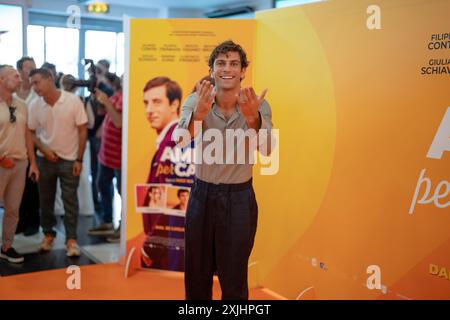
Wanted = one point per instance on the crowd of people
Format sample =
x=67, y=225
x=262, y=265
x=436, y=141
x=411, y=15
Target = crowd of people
x=44, y=131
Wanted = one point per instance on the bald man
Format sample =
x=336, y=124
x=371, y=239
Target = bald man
x=16, y=147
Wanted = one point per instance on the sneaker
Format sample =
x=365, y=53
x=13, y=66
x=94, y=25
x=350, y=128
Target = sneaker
x=47, y=243
x=105, y=229
x=72, y=249
x=11, y=255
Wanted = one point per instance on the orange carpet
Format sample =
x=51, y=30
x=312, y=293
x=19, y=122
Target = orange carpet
x=105, y=282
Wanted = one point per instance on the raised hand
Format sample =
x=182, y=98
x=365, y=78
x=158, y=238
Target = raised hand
x=249, y=103
x=206, y=95
x=101, y=96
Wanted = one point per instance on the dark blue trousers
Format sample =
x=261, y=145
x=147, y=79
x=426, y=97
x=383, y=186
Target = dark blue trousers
x=220, y=230
x=106, y=187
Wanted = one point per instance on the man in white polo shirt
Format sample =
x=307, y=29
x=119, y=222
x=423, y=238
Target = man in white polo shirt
x=58, y=123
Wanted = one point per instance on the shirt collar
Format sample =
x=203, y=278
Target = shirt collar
x=61, y=99
x=163, y=133
x=216, y=110
x=63, y=96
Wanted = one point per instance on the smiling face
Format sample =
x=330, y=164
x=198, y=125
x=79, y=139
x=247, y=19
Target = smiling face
x=227, y=71
x=158, y=109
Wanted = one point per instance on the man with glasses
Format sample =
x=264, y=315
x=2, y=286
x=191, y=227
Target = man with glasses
x=15, y=146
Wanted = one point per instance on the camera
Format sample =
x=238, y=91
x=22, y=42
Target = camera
x=90, y=84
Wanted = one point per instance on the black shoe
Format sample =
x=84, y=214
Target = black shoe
x=30, y=231
x=115, y=238
x=104, y=229
x=11, y=255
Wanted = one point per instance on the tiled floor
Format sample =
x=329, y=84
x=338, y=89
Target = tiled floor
x=93, y=250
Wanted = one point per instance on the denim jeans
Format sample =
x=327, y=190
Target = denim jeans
x=106, y=188
x=94, y=147
x=50, y=173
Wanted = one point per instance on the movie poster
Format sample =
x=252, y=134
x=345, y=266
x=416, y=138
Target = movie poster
x=166, y=60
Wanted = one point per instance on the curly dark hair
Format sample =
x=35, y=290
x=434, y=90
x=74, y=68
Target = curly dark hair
x=225, y=47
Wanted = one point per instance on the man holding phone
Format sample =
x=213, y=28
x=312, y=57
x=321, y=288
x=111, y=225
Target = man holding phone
x=15, y=146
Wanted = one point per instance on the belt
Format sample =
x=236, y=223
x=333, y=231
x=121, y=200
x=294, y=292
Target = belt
x=223, y=187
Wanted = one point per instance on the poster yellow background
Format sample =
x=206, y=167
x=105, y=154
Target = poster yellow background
x=150, y=40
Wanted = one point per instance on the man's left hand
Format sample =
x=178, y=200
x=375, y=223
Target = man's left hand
x=249, y=103
x=77, y=166
x=101, y=96
x=33, y=172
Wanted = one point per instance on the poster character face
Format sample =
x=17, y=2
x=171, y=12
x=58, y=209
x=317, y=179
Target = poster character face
x=183, y=196
x=155, y=196
x=151, y=198
x=158, y=109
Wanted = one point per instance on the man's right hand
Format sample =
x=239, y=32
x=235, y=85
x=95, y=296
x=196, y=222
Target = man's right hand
x=7, y=163
x=101, y=96
x=50, y=155
x=206, y=95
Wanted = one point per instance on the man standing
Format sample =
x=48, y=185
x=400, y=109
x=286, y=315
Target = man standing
x=29, y=207
x=222, y=212
x=164, y=249
x=25, y=91
x=15, y=144
x=109, y=157
x=94, y=133
x=58, y=123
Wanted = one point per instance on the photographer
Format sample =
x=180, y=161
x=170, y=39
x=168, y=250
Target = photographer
x=97, y=75
x=109, y=155
x=96, y=80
